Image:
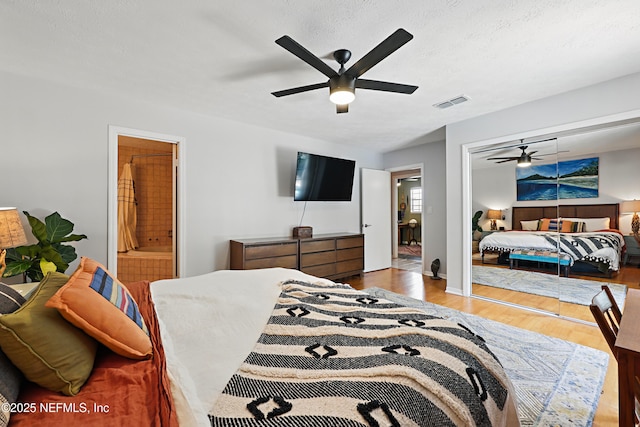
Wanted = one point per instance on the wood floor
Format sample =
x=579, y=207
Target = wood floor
x=422, y=287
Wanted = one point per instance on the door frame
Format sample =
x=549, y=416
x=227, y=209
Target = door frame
x=112, y=193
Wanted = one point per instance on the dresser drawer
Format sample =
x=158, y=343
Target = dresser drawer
x=317, y=258
x=352, y=253
x=289, y=261
x=273, y=250
x=324, y=270
x=350, y=242
x=351, y=265
x=317, y=246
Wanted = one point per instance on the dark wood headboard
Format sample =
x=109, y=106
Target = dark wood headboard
x=527, y=213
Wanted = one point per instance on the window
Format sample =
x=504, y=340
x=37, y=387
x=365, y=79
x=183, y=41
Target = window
x=416, y=200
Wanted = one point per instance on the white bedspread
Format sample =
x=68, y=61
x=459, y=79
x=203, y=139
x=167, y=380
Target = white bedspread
x=201, y=358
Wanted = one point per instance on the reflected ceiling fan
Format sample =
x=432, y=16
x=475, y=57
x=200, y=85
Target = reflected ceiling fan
x=524, y=159
x=342, y=84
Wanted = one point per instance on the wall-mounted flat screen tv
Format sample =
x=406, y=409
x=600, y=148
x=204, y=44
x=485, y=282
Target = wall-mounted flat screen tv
x=321, y=178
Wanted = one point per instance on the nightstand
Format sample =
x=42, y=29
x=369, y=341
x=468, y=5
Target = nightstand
x=25, y=289
x=633, y=249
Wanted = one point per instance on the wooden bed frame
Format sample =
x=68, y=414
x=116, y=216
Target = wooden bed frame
x=528, y=213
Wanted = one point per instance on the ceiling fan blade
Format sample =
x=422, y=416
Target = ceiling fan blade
x=294, y=47
x=503, y=158
x=300, y=89
x=507, y=160
x=532, y=153
x=342, y=108
x=378, y=53
x=385, y=86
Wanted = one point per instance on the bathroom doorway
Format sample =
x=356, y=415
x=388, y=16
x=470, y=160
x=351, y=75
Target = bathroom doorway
x=143, y=232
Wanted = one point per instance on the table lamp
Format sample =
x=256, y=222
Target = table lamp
x=11, y=233
x=493, y=215
x=632, y=206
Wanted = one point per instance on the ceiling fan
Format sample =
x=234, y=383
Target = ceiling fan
x=524, y=159
x=343, y=83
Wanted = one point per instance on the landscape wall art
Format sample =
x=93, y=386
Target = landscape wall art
x=571, y=179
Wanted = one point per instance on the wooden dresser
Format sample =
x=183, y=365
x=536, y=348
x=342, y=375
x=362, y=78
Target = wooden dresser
x=331, y=256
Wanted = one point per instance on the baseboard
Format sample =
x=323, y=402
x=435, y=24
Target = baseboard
x=430, y=274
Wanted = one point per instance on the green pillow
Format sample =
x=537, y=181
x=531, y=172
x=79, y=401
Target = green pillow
x=48, y=350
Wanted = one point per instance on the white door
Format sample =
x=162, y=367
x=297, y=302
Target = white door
x=375, y=193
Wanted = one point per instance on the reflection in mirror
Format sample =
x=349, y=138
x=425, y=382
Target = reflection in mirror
x=506, y=264
x=614, y=153
x=568, y=199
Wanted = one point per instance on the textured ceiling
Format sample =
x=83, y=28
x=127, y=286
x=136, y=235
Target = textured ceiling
x=585, y=142
x=219, y=57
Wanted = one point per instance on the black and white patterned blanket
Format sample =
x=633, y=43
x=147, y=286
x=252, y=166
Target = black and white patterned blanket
x=333, y=356
x=582, y=247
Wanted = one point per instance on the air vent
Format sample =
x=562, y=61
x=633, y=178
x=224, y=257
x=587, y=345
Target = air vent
x=451, y=102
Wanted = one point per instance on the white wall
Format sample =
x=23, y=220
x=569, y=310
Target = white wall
x=432, y=157
x=494, y=188
x=619, y=175
x=608, y=101
x=239, y=178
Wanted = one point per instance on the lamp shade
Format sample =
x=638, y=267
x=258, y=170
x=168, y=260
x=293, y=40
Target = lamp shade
x=630, y=206
x=11, y=230
x=494, y=214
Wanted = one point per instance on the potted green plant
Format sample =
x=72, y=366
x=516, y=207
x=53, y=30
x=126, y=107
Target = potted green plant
x=474, y=223
x=49, y=254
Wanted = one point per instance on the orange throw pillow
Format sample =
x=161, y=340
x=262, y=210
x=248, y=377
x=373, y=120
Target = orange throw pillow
x=544, y=224
x=96, y=302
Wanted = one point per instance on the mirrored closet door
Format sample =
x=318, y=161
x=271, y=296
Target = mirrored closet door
x=514, y=198
x=566, y=201
x=598, y=173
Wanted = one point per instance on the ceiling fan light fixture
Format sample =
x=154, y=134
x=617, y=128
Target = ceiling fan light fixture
x=524, y=161
x=342, y=96
x=342, y=89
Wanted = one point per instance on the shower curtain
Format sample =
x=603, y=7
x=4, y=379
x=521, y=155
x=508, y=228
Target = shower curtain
x=127, y=217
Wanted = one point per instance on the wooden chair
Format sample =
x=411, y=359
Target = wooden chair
x=607, y=314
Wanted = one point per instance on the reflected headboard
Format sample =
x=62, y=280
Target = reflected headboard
x=527, y=213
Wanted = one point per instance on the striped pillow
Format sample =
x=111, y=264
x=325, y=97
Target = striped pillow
x=96, y=302
x=578, y=227
x=10, y=376
x=118, y=295
x=10, y=299
x=563, y=226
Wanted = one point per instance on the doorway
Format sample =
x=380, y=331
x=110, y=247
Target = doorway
x=407, y=206
x=144, y=203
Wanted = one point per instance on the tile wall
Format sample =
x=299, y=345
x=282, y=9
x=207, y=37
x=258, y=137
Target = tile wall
x=154, y=196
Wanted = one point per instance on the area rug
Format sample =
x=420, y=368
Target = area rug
x=557, y=383
x=410, y=251
x=566, y=289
